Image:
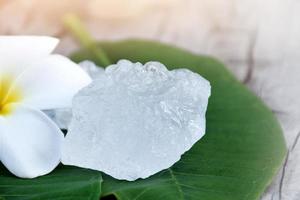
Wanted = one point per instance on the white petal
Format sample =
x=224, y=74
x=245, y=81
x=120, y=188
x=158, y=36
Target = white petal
x=18, y=51
x=52, y=83
x=30, y=142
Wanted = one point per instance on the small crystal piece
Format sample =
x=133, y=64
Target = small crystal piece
x=62, y=116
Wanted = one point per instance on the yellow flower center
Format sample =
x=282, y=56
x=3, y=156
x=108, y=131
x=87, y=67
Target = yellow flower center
x=8, y=95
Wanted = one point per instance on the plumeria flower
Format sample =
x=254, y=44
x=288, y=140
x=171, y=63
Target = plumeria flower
x=31, y=80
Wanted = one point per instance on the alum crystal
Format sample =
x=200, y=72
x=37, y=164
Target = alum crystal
x=62, y=116
x=135, y=120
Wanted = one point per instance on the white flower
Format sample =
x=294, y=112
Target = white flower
x=32, y=80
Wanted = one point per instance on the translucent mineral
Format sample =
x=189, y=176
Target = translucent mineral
x=91, y=68
x=135, y=120
x=62, y=116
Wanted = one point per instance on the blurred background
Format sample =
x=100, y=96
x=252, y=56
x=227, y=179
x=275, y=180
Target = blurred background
x=258, y=40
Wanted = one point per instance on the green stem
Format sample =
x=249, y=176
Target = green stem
x=73, y=23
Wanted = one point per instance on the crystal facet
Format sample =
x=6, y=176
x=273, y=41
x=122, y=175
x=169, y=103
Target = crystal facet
x=135, y=120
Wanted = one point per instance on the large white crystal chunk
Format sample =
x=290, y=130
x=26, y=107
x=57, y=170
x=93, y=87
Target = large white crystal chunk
x=136, y=120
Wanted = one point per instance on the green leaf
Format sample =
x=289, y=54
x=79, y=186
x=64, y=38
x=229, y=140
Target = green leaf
x=236, y=160
x=65, y=183
x=241, y=152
